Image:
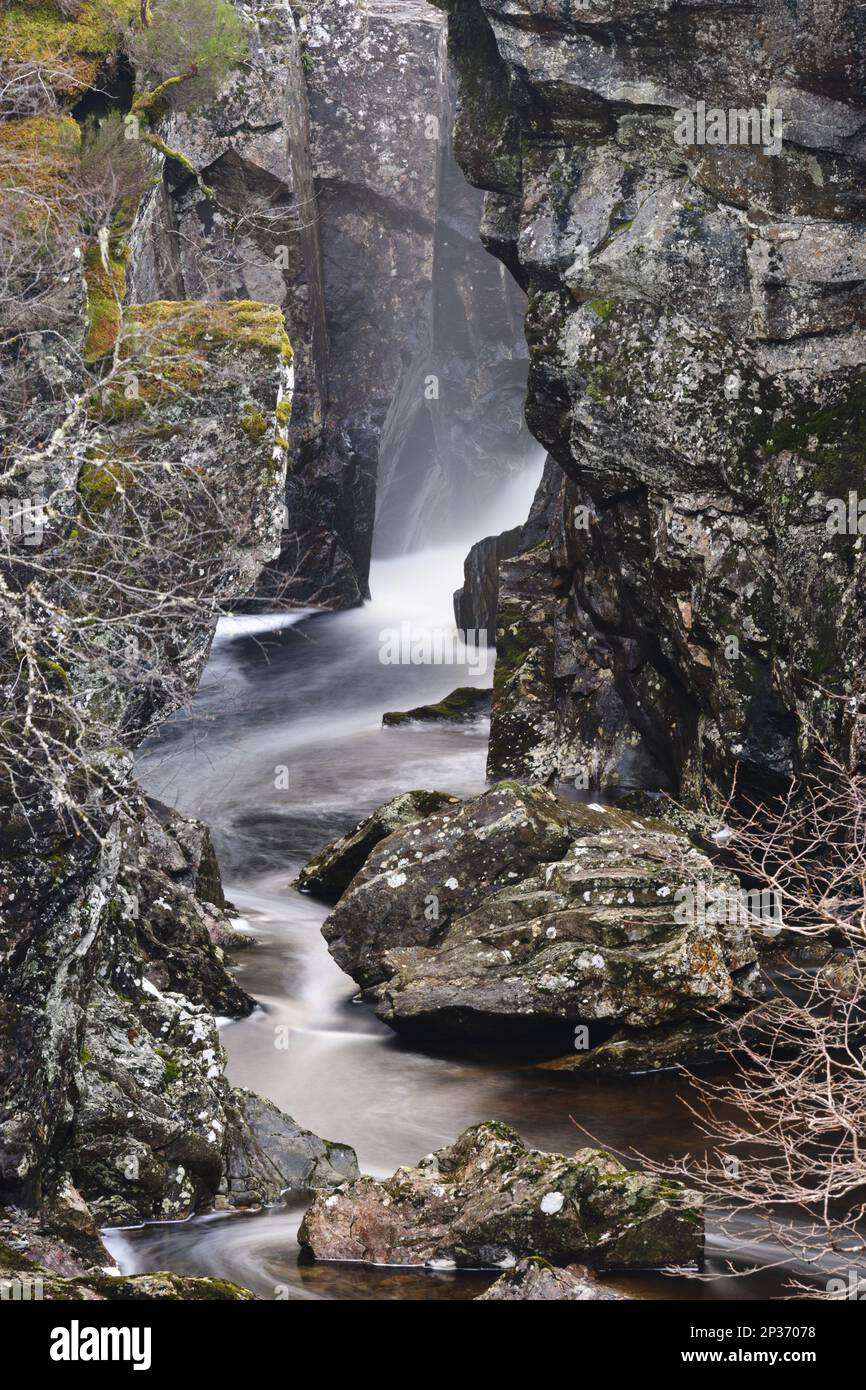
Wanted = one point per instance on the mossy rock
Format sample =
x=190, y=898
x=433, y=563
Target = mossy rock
x=328, y=874
x=73, y=49
x=466, y=702
x=105, y=280
x=166, y=345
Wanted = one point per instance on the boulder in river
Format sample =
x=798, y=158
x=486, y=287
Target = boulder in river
x=533, y=1280
x=328, y=874
x=487, y=1200
x=466, y=702
x=518, y=912
x=270, y=1152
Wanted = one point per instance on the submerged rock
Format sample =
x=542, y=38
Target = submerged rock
x=466, y=702
x=487, y=1200
x=518, y=912
x=534, y=1280
x=328, y=874
x=632, y=1051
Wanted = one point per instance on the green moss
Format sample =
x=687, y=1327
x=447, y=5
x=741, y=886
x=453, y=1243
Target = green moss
x=284, y=411
x=462, y=703
x=513, y=646
x=13, y=1260
x=106, y=287
x=253, y=422
x=171, y=1065
x=85, y=1056
x=98, y=484
x=833, y=439
x=602, y=307
x=54, y=666
x=72, y=49
x=237, y=322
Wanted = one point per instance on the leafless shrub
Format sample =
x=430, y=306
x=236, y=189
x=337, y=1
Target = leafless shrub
x=786, y=1128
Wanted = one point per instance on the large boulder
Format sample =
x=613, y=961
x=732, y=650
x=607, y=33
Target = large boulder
x=420, y=878
x=521, y=913
x=487, y=1200
x=328, y=874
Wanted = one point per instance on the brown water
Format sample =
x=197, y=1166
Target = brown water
x=309, y=697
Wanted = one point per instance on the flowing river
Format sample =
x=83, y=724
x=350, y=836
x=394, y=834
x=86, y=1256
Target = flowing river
x=304, y=694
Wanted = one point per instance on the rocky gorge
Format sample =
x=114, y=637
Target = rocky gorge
x=284, y=346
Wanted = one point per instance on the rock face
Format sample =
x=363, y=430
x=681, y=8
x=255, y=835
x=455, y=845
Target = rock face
x=154, y=444
x=169, y=890
x=335, y=196
x=534, y=1280
x=488, y=1201
x=697, y=362
x=476, y=603
x=521, y=914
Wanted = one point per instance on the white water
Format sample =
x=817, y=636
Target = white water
x=308, y=695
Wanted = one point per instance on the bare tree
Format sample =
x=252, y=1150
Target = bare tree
x=785, y=1128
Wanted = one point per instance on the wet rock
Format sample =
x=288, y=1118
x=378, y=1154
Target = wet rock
x=488, y=1201
x=534, y=1280
x=770, y=1024
x=467, y=702
x=697, y=391
x=270, y=1153
x=30, y=1282
x=476, y=603
x=421, y=877
x=556, y=710
x=330, y=872
x=159, y=1287
x=38, y=1263
x=159, y=1133
x=519, y=913
x=633, y=1051
x=170, y=889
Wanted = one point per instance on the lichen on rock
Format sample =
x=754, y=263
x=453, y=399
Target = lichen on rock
x=488, y=1201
